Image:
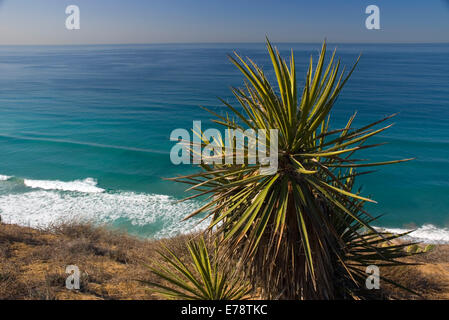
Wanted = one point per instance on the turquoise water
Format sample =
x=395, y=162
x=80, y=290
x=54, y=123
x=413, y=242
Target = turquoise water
x=84, y=130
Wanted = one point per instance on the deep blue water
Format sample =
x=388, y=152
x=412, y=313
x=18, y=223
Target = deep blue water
x=105, y=113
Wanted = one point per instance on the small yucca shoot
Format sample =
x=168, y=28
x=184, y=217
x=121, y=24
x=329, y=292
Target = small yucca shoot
x=202, y=279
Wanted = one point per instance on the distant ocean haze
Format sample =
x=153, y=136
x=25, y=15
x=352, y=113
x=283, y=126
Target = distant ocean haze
x=85, y=130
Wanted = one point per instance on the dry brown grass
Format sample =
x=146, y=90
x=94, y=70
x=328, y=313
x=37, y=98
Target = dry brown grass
x=33, y=263
x=429, y=278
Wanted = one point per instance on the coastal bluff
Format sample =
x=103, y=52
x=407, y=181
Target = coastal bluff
x=33, y=265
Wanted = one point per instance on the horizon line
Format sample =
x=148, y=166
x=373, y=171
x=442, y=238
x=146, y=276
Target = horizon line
x=224, y=42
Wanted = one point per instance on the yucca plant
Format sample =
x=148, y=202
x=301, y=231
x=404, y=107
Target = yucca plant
x=301, y=232
x=202, y=279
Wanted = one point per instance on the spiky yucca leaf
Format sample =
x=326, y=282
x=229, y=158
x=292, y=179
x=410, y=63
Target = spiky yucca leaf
x=295, y=230
x=203, y=279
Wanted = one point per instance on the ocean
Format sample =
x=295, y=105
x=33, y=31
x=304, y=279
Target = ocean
x=84, y=130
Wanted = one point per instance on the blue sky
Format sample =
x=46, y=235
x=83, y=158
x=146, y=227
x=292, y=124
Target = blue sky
x=161, y=21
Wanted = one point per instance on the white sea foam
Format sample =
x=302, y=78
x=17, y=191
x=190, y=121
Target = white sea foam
x=427, y=233
x=85, y=201
x=86, y=185
x=41, y=208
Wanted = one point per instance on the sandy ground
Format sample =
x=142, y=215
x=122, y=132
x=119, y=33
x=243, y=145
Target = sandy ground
x=430, y=278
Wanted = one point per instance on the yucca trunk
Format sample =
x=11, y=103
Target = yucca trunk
x=281, y=269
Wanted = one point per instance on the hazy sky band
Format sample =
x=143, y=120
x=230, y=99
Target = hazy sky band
x=167, y=21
